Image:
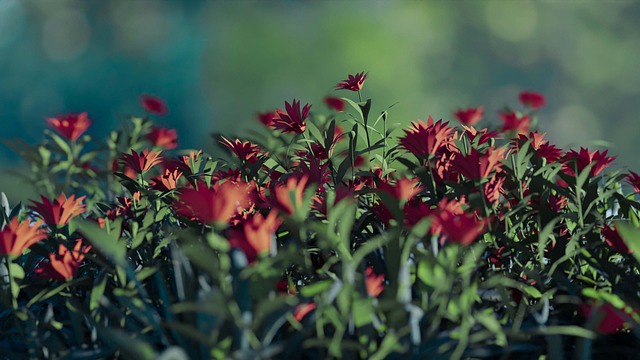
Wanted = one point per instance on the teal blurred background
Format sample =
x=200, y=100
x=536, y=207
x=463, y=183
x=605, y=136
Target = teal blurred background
x=218, y=63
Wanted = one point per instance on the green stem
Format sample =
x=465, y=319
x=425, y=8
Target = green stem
x=304, y=134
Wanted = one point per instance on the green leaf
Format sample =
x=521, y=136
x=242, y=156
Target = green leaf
x=390, y=343
x=631, y=237
x=130, y=347
x=98, y=290
x=62, y=144
x=362, y=312
x=218, y=242
x=107, y=243
x=576, y=331
x=315, y=288
x=145, y=273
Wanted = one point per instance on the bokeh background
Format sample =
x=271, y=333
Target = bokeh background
x=218, y=63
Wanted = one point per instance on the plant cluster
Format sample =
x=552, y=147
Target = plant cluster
x=324, y=235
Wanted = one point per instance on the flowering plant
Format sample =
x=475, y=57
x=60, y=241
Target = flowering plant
x=325, y=235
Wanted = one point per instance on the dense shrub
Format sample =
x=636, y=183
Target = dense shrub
x=328, y=234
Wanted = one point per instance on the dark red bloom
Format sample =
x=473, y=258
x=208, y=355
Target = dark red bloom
x=557, y=203
x=212, y=205
x=245, y=151
x=613, y=239
x=382, y=212
x=64, y=265
x=291, y=121
x=17, y=236
x=70, y=126
x=634, y=180
x=483, y=135
x=141, y=162
x=342, y=192
x=163, y=137
x=582, y=159
x=613, y=320
x=513, y=122
x=353, y=83
x=281, y=194
x=423, y=139
x=532, y=99
x=334, y=103
x=254, y=235
x=316, y=172
x=476, y=165
x=542, y=147
x=414, y=211
x=460, y=228
x=266, y=118
x=234, y=175
x=470, y=116
x=153, y=104
x=493, y=188
x=60, y=211
x=451, y=207
x=403, y=189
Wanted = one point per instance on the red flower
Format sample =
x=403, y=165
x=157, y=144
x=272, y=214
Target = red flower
x=613, y=239
x=255, y=234
x=374, y=283
x=153, y=104
x=334, y=103
x=291, y=121
x=483, y=135
x=190, y=164
x=342, y=192
x=476, y=165
x=281, y=194
x=59, y=212
x=423, y=139
x=470, y=116
x=214, y=205
x=613, y=320
x=634, y=180
x=451, y=207
x=403, y=189
x=163, y=137
x=143, y=161
x=493, y=189
x=16, y=237
x=414, y=211
x=353, y=83
x=245, y=151
x=382, y=212
x=234, y=175
x=64, y=265
x=266, y=118
x=512, y=122
x=443, y=169
x=70, y=126
x=460, y=228
x=584, y=158
x=536, y=140
x=532, y=99
x=317, y=173
x=557, y=203
x=302, y=310
x=542, y=147
x=168, y=181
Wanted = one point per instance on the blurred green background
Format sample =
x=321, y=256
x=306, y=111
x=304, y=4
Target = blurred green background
x=218, y=63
